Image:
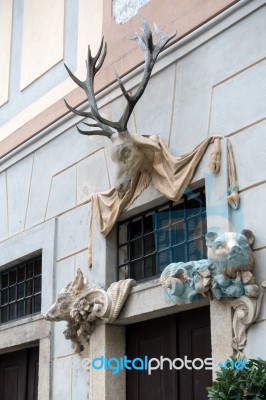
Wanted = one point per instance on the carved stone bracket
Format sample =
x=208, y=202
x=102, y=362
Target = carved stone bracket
x=246, y=311
x=81, y=304
x=226, y=275
x=227, y=272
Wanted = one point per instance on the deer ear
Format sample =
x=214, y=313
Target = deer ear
x=249, y=235
x=210, y=238
x=145, y=141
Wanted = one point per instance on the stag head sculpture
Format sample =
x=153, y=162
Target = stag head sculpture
x=132, y=153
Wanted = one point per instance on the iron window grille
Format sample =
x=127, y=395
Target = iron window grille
x=172, y=232
x=20, y=290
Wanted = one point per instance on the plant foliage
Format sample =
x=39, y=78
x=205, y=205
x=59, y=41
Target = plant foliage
x=235, y=384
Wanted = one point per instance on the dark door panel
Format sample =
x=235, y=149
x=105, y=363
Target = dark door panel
x=194, y=340
x=19, y=375
x=176, y=336
x=33, y=369
x=13, y=375
x=152, y=338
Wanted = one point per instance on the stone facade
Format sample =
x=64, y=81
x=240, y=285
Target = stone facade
x=212, y=82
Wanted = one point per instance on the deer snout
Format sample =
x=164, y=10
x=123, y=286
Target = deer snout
x=123, y=184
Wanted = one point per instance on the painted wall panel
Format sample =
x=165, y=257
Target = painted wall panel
x=3, y=208
x=255, y=341
x=240, y=100
x=254, y=213
x=62, y=195
x=73, y=229
x=65, y=150
x=64, y=273
x=92, y=176
x=6, y=7
x=89, y=29
x=18, y=186
x=260, y=257
x=61, y=388
x=250, y=142
x=43, y=38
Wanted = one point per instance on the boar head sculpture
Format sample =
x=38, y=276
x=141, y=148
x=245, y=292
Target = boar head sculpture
x=132, y=153
x=66, y=308
x=81, y=304
x=62, y=309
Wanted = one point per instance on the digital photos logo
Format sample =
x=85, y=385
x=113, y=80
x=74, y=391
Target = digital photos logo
x=152, y=364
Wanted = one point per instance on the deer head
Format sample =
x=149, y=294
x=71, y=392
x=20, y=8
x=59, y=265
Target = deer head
x=132, y=153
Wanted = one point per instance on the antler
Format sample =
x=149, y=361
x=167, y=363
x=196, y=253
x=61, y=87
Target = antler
x=93, y=66
x=150, y=51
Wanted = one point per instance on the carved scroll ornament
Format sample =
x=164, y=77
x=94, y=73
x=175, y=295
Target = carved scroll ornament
x=81, y=304
x=246, y=311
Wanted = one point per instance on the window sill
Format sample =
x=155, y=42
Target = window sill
x=147, y=301
x=20, y=321
x=146, y=284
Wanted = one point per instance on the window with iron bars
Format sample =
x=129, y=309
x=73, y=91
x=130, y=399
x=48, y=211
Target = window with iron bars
x=171, y=232
x=20, y=290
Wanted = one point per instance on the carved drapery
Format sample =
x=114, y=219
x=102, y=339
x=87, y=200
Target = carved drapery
x=170, y=175
x=233, y=197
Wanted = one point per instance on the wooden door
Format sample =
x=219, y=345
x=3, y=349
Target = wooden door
x=19, y=375
x=194, y=340
x=175, y=336
x=151, y=338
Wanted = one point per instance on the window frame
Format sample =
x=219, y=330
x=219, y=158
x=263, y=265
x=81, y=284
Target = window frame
x=32, y=275
x=170, y=206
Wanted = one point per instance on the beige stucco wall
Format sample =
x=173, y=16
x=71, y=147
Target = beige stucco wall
x=40, y=44
x=44, y=26
x=42, y=38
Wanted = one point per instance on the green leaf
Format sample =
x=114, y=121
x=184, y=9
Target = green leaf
x=222, y=395
x=240, y=384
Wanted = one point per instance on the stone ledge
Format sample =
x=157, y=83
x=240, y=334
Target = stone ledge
x=20, y=321
x=24, y=331
x=146, y=301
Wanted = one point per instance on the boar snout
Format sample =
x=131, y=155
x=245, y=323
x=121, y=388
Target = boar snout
x=50, y=317
x=52, y=314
